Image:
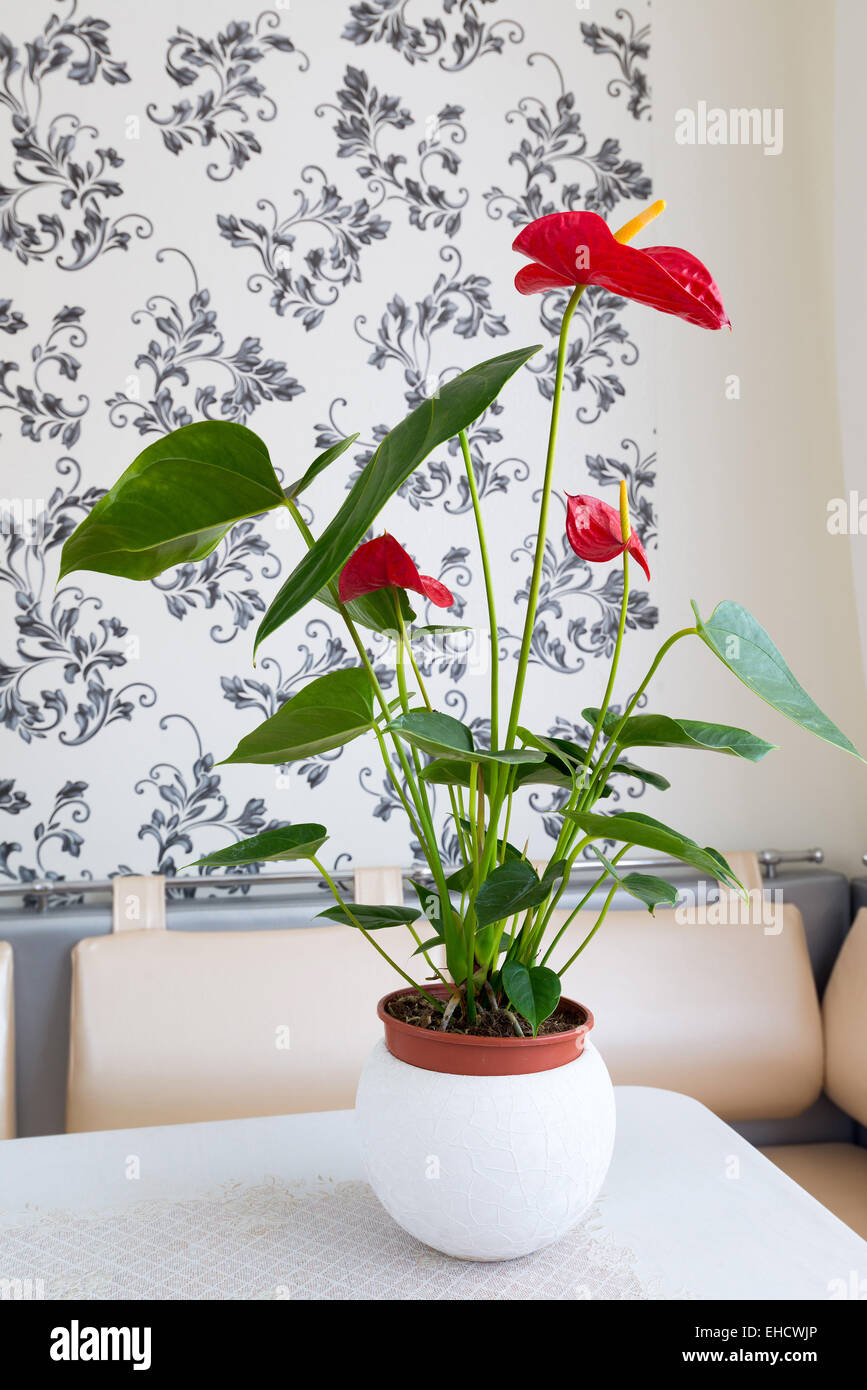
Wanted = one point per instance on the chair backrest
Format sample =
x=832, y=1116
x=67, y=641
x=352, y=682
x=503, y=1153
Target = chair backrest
x=844, y=1015
x=7, y=1044
x=725, y=1012
x=172, y=1026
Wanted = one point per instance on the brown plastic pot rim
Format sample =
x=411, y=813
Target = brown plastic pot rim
x=458, y=1054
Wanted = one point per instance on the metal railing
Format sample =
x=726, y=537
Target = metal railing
x=45, y=889
x=771, y=859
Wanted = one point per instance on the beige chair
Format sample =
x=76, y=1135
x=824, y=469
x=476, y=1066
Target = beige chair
x=7, y=1044
x=171, y=1026
x=724, y=1012
x=836, y=1174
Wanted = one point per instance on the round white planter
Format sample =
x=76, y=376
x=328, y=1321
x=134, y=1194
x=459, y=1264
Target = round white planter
x=486, y=1167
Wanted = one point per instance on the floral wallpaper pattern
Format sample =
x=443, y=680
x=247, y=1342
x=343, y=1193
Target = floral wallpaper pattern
x=298, y=218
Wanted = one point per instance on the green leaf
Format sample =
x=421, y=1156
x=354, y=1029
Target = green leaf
x=462, y=878
x=533, y=990
x=457, y=404
x=286, y=842
x=505, y=891
x=629, y=827
x=653, y=779
x=649, y=890
x=437, y=630
x=175, y=502
x=561, y=748
x=514, y=887
x=447, y=772
x=429, y=944
x=326, y=714
x=318, y=466
x=451, y=927
x=429, y=900
x=371, y=917
x=564, y=765
x=663, y=731
x=441, y=735
x=374, y=610
x=746, y=649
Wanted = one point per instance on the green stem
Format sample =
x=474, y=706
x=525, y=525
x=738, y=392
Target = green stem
x=435, y=968
x=566, y=838
x=375, y=944
x=536, y=577
x=489, y=588
x=587, y=896
x=609, y=689
x=460, y=818
x=429, y=849
x=510, y=793
x=536, y=580
x=610, y=756
x=395, y=782
x=472, y=820
x=421, y=826
x=424, y=695
x=590, y=935
x=538, y=928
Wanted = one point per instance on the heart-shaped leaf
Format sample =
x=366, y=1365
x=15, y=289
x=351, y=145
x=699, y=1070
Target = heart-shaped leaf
x=442, y=736
x=629, y=827
x=533, y=990
x=649, y=890
x=456, y=405
x=370, y=916
x=745, y=648
x=662, y=731
x=504, y=891
x=514, y=887
x=326, y=714
x=175, y=502
x=318, y=466
x=286, y=842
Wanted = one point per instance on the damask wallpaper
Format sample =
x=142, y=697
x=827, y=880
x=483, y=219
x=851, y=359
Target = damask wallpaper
x=300, y=219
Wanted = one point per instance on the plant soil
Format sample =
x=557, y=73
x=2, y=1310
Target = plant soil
x=490, y=1023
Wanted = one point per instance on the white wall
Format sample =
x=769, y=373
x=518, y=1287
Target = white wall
x=850, y=239
x=745, y=484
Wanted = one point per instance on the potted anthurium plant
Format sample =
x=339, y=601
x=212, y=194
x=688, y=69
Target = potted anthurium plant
x=485, y=1065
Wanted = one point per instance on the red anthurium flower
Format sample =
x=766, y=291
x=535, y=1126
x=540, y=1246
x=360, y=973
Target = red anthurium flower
x=594, y=531
x=579, y=248
x=383, y=564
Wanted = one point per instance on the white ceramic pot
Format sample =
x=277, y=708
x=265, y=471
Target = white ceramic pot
x=486, y=1167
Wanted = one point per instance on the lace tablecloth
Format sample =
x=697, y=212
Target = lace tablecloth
x=282, y=1240
x=277, y=1208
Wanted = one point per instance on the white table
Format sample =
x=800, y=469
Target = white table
x=278, y=1208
